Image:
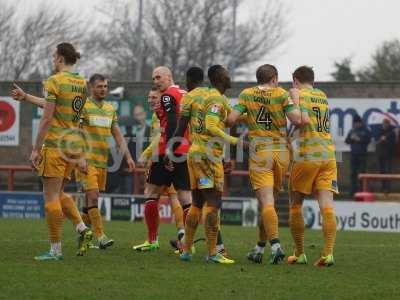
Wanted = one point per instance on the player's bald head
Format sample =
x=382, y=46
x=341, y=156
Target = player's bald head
x=162, y=70
x=266, y=73
x=162, y=78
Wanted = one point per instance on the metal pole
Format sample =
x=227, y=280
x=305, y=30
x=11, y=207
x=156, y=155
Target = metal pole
x=139, y=65
x=233, y=62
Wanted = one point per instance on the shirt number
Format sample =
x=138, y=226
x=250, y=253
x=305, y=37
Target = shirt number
x=322, y=123
x=264, y=117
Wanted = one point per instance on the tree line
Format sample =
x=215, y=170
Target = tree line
x=114, y=39
x=384, y=65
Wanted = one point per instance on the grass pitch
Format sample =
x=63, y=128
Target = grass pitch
x=367, y=267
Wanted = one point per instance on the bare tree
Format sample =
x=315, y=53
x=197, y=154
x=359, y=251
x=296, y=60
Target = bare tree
x=26, y=49
x=114, y=41
x=183, y=33
x=200, y=32
x=6, y=16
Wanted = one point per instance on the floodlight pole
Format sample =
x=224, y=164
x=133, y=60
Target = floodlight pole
x=233, y=61
x=139, y=65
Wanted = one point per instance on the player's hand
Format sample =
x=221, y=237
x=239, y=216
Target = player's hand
x=141, y=162
x=229, y=166
x=168, y=163
x=294, y=94
x=17, y=93
x=82, y=165
x=35, y=159
x=131, y=165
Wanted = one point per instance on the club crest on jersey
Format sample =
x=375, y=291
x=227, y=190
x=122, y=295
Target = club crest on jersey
x=77, y=104
x=215, y=109
x=167, y=102
x=204, y=181
x=166, y=99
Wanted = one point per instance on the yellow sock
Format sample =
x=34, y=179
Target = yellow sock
x=270, y=221
x=329, y=227
x=54, y=219
x=96, y=221
x=192, y=221
x=296, y=224
x=262, y=235
x=211, y=228
x=178, y=214
x=86, y=219
x=69, y=209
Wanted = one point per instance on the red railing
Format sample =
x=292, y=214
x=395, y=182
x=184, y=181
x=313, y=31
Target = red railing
x=366, y=177
x=11, y=169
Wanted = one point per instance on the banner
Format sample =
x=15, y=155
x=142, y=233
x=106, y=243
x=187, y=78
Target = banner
x=21, y=205
x=359, y=216
x=234, y=211
x=372, y=111
x=9, y=122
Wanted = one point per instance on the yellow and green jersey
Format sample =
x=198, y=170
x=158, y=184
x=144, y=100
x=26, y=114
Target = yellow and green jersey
x=191, y=107
x=68, y=91
x=266, y=110
x=98, y=118
x=154, y=136
x=155, y=126
x=315, y=142
x=214, y=104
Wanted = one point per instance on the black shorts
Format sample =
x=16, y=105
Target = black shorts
x=160, y=176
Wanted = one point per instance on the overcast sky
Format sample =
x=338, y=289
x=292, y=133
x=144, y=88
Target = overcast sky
x=322, y=31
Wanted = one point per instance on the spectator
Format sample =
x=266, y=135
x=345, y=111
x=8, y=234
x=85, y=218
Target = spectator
x=141, y=131
x=137, y=138
x=358, y=138
x=385, y=150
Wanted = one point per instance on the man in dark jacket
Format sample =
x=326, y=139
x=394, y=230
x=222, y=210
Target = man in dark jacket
x=385, y=150
x=137, y=139
x=358, y=138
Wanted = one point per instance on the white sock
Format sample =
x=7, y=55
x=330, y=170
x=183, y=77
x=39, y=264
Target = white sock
x=275, y=247
x=260, y=249
x=55, y=248
x=220, y=247
x=80, y=227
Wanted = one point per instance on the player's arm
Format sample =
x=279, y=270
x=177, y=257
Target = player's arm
x=17, y=93
x=184, y=119
x=52, y=91
x=123, y=147
x=233, y=117
x=183, y=123
x=305, y=117
x=168, y=103
x=148, y=152
x=213, y=118
x=239, y=112
x=291, y=106
x=44, y=124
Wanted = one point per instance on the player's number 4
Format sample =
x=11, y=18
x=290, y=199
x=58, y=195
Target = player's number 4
x=264, y=117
